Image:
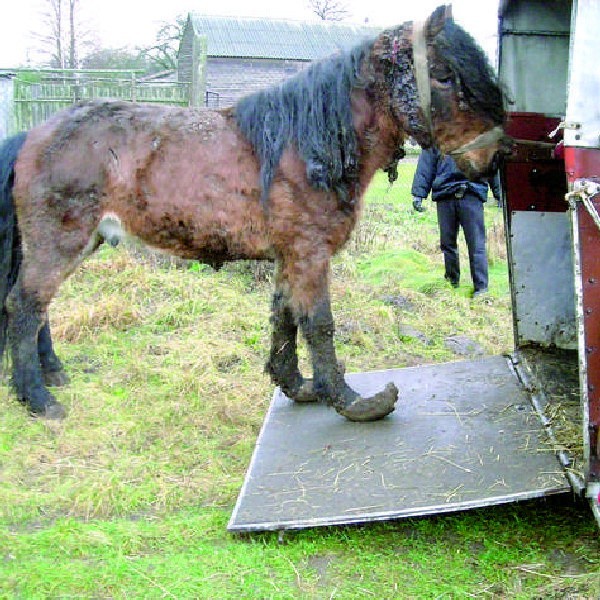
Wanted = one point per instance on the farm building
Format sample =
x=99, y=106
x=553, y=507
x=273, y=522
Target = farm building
x=245, y=54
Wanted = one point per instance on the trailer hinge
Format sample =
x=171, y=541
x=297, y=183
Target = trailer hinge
x=564, y=125
x=583, y=191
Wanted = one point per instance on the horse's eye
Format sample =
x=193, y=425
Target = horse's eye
x=442, y=75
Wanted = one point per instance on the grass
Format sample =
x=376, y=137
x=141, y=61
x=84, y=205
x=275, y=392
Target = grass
x=130, y=496
x=186, y=555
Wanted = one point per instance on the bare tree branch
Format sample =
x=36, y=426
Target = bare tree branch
x=329, y=10
x=64, y=36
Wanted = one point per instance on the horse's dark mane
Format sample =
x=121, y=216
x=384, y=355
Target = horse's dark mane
x=479, y=83
x=311, y=111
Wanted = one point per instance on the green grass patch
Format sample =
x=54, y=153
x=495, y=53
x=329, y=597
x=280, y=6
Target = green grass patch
x=510, y=553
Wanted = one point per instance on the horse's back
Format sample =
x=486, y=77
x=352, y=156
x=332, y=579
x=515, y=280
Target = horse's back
x=181, y=179
x=94, y=141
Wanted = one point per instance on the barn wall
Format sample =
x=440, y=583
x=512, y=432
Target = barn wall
x=232, y=78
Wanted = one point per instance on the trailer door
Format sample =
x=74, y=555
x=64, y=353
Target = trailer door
x=582, y=157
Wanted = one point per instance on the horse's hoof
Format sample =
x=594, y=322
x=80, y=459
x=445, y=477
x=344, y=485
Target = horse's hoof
x=305, y=393
x=43, y=404
x=55, y=411
x=55, y=378
x=371, y=409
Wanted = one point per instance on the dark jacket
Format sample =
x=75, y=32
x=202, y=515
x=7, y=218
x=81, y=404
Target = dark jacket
x=439, y=175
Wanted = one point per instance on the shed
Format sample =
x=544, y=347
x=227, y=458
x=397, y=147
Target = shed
x=243, y=54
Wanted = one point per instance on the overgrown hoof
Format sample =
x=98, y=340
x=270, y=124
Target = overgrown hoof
x=370, y=409
x=56, y=378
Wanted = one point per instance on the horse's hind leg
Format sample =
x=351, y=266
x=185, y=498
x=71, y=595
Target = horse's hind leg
x=50, y=255
x=52, y=369
x=26, y=317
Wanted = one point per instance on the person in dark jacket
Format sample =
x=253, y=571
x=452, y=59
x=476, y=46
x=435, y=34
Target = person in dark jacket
x=459, y=203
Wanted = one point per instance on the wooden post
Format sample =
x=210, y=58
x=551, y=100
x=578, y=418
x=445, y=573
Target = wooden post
x=199, y=54
x=133, y=90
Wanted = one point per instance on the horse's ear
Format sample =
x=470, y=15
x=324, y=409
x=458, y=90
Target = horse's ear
x=437, y=19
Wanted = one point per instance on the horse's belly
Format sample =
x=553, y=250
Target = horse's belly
x=197, y=228
x=201, y=199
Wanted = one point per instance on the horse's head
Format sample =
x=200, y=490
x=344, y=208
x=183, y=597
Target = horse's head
x=451, y=97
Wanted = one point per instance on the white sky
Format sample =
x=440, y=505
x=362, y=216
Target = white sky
x=119, y=23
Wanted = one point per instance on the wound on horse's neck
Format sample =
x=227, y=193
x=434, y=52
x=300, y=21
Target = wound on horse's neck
x=380, y=138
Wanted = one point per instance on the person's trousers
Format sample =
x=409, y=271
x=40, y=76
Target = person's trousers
x=466, y=212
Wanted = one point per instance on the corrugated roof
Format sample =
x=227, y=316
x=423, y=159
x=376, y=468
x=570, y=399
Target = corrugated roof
x=246, y=37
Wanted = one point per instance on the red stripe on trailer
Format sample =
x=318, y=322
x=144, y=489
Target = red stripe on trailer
x=584, y=163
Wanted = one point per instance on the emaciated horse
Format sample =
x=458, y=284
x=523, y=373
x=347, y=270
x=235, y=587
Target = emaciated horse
x=280, y=176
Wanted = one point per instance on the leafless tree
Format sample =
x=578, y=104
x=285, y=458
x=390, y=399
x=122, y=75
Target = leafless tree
x=55, y=36
x=64, y=35
x=72, y=37
x=329, y=10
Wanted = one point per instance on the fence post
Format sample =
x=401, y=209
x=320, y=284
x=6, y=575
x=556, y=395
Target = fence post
x=133, y=90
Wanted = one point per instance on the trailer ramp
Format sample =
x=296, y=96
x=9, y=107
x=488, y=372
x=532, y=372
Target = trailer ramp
x=463, y=435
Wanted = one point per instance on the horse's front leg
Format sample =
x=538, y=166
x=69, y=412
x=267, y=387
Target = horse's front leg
x=282, y=365
x=52, y=369
x=328, y=377
x=26, y=317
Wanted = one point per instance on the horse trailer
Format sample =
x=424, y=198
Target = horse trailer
x=552, y=185
x=498, y=429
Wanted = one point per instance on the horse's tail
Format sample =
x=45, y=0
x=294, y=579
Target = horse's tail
x=10, y=242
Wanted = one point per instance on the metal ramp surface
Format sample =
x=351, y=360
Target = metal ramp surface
x=463, y=435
